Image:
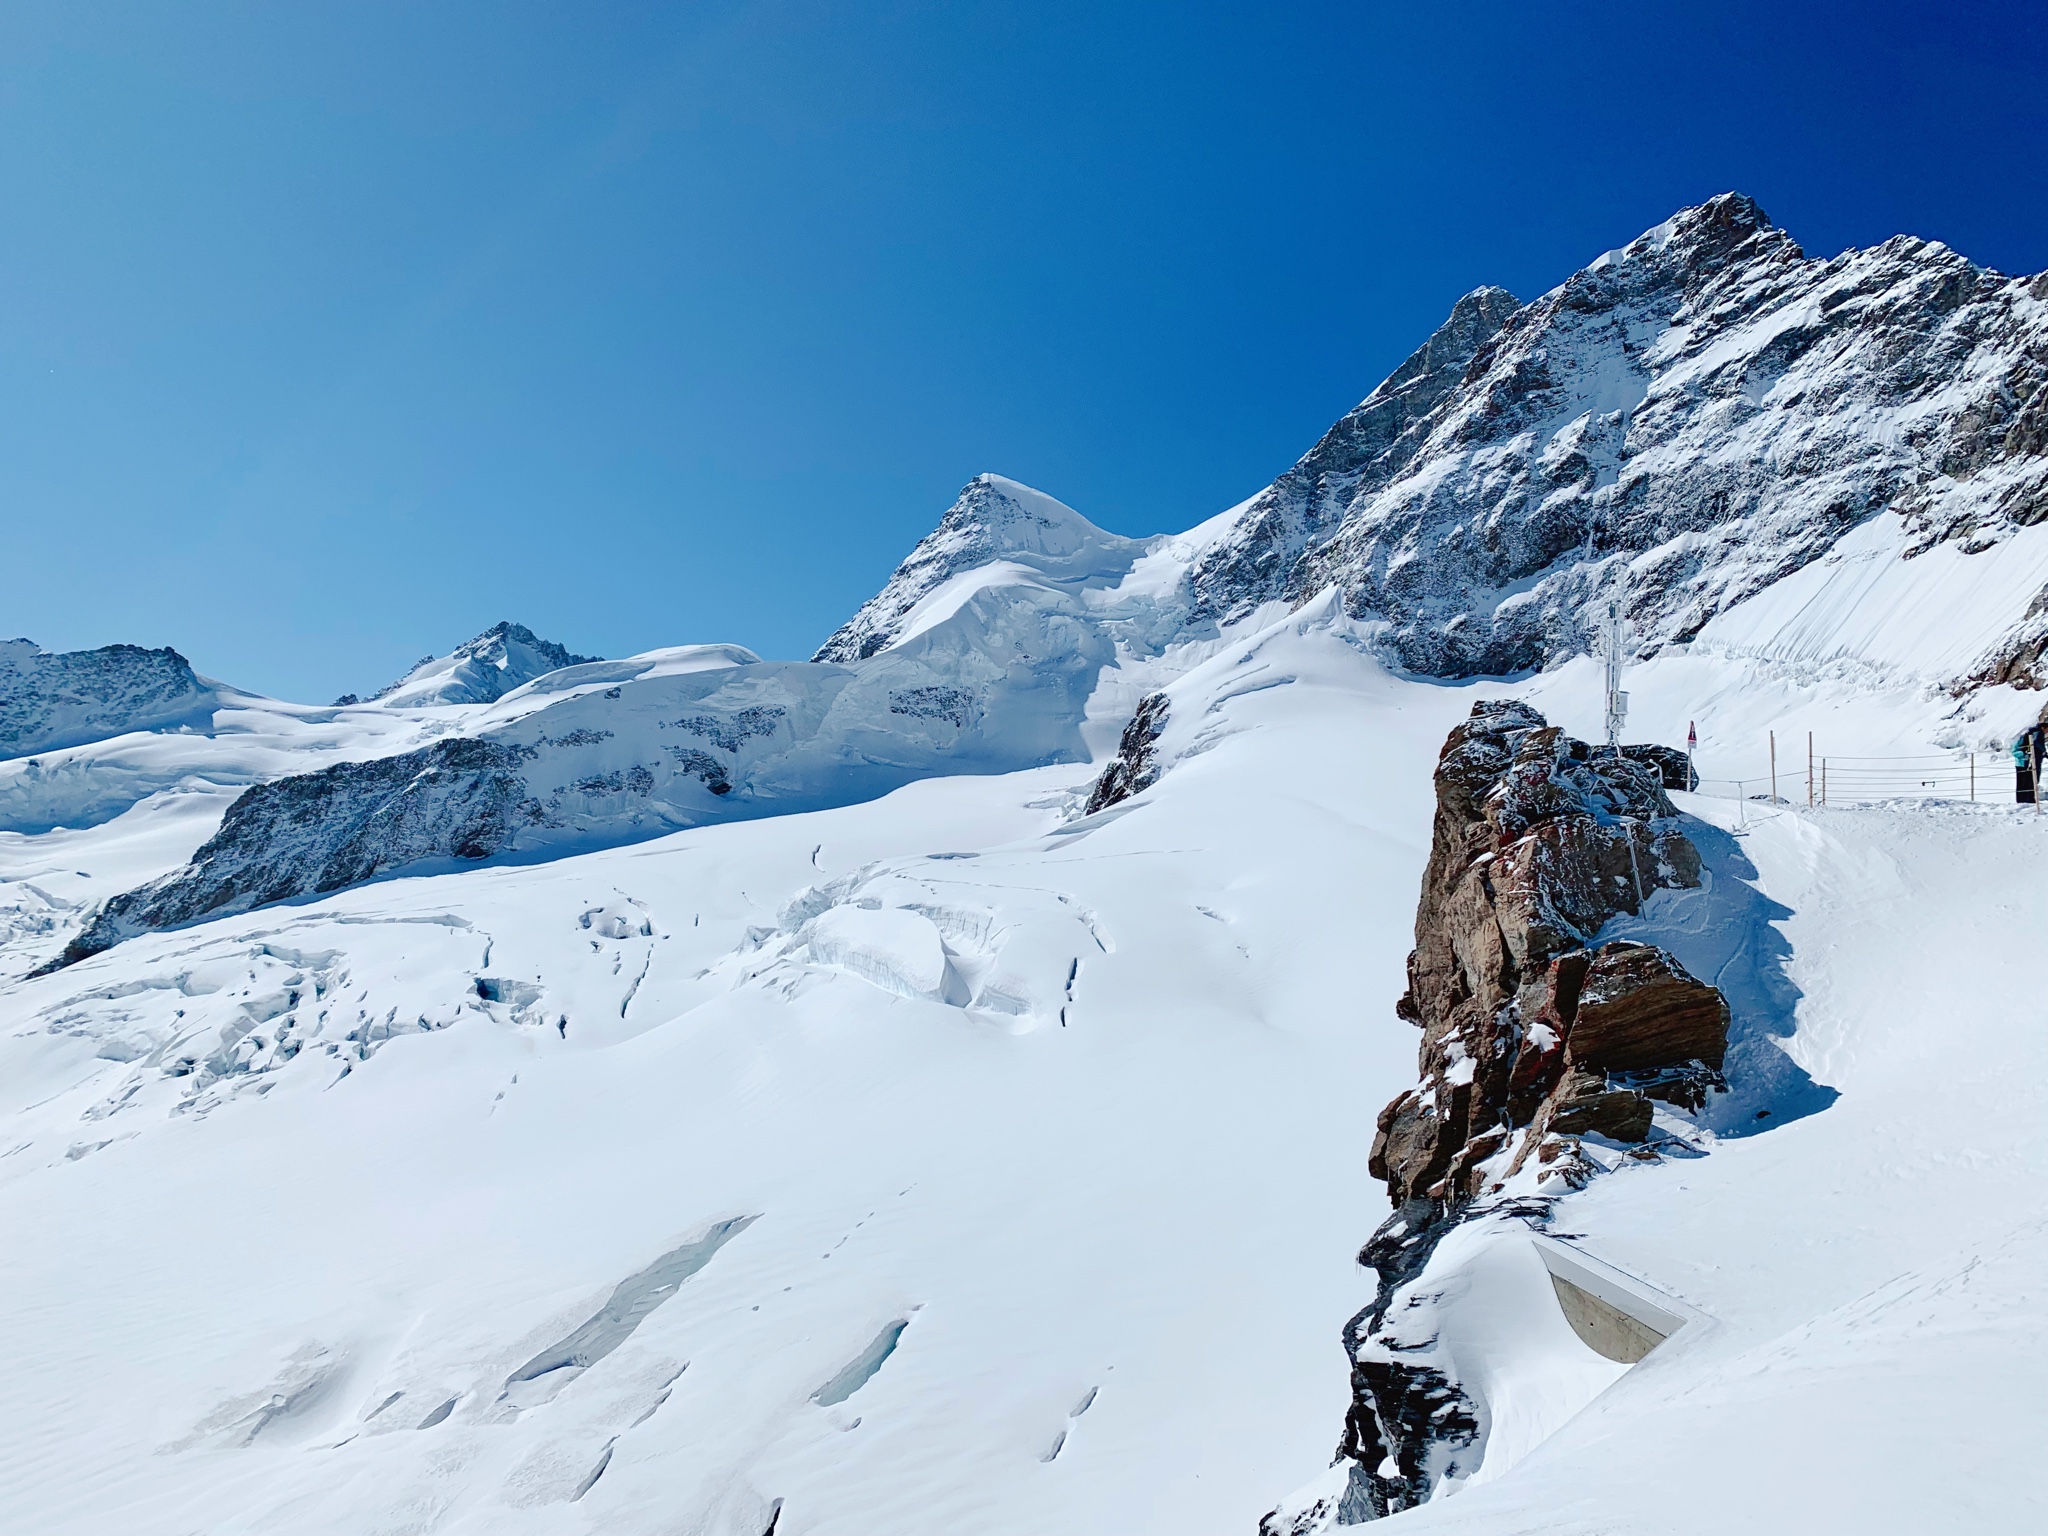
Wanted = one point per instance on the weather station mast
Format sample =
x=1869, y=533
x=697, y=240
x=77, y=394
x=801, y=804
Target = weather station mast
x=1617, y=701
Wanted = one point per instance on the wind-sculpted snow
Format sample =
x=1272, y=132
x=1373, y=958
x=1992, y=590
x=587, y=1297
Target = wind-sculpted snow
x=51, y=700
x=1687, y=420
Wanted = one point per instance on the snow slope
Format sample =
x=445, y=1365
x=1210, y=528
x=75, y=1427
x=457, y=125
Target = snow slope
x=1051, y=1134
x=952, y=1050
x=882, y=1144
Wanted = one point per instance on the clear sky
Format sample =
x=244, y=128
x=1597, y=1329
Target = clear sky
x=331, y=333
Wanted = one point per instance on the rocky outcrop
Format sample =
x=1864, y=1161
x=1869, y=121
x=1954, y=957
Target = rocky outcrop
x=1534, y=1037
x=1707, y=407
x=50, y=700
x=315, y=832
x=1135, y=767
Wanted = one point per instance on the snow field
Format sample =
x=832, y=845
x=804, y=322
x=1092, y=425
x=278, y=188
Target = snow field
x=1155, y=1203
x=1870, y=1272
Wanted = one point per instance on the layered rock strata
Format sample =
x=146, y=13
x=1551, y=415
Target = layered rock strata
x=1535, y=1036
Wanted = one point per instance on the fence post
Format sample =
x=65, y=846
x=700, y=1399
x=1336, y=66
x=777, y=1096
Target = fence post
x=1823, y=781
x=1809, y=770
x=1973, y=778
x=1774, y=768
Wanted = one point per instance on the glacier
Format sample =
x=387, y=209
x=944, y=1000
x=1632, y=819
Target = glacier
x=697, y=1092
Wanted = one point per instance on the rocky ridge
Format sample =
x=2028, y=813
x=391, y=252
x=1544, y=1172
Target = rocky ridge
x=1136, y=767
x=50, y=700
x=1535, y=1038
x=317, y=832
x=1686, y=420
x=479, y=671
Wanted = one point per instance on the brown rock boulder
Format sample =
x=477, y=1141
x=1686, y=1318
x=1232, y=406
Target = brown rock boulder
x=1639, y=1010
x=1584, y=1104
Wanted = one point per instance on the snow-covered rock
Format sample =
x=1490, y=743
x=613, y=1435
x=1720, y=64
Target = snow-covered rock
x=62, y=699
x=997, y=533
x=479, y=671
x=1687, y=420
x=609, y=752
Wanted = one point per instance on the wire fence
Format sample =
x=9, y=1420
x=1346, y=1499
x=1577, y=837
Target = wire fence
x=1827, y=780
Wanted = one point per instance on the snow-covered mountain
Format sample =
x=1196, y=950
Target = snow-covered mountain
x=946, y=1084
x=479, y=671
x=57, y=700
x=1690, y=418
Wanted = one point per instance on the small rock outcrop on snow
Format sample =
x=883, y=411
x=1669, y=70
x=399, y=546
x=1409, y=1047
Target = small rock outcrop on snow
x=1706, y=409
x=1533, y=1037
x=317, y=832
x=479, y=671
x=63, y=699
x=1135, y=767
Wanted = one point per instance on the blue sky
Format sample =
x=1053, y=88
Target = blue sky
x=332, y=333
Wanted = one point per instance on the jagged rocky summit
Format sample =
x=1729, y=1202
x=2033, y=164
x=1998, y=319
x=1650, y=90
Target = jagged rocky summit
x=479, y=671
x=1687, y=420
x=50, y=700
x=1536, y=1037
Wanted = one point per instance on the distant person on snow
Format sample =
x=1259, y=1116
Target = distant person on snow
x=2026, y=757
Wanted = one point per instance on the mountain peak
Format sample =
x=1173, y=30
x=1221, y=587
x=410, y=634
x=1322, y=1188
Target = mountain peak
x=481, y=670
x=52, y=699
x=993, y=520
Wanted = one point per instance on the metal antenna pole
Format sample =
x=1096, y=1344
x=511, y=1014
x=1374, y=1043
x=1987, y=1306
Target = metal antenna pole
x=1617, y=701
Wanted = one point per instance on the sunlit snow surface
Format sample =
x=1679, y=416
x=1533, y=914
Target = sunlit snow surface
x=955, y=1162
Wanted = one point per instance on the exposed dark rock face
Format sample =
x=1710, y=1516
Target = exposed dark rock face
x=50, y=700
x=1639, y=1011
x=1532, y=1038
x=1136, y=765
x=1707, y=404
x=1361, y=453
x=315, y=832
x=1670, y=763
